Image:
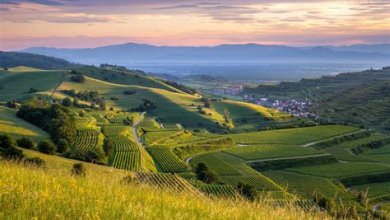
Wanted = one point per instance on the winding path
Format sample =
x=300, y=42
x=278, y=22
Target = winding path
x=135, y=133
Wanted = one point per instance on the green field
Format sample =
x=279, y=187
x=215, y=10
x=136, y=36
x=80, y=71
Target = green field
x=336, y=170
x=293, y=136
x=375, y=190
x=270, y=151
x=17, y=128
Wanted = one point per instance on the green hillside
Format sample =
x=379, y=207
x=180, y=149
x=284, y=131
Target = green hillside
x=360, y=98
x=133, y=124
x=17, y=128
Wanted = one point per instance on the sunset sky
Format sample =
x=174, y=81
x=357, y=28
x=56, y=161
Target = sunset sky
x=91, y=23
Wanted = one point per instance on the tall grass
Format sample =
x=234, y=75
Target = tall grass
x=27, y=193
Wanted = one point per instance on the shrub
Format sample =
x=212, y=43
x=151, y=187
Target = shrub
x=66, y=102
x=46, y=147
x=201, y=167
x=207, y=177
x=8, y=149
x=129, y=92
x=78, y=169
x=77, y=78
x=247, y=190
x=25, y=143
x=62, y=146
x=35, y=161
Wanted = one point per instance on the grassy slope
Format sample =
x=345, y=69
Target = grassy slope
x=16, y=127
x=54, y=194
x=17, y=84
x=171, y=106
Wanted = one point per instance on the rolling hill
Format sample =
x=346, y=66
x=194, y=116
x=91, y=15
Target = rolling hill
x=360, y=98
x=130, y=53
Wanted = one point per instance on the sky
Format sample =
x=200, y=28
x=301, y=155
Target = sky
x=93, y=23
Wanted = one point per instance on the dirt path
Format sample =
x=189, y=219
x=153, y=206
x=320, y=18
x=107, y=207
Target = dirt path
x=327, y=139
x=135, y=133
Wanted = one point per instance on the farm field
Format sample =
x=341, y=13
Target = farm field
x=167, y=161
x=305, y=186
x=293, y=136
x=157, y=135
x=270, y=151
x=341, y=169
x=375, y=190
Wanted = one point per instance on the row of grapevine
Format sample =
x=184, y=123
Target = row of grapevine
x=259, y=182
x=122, y=143
x=217, y=190
x=168, y=161
x=127, y=160
x=86, y=140
x=166, y=180
x=159, y=137
x=84, y=122
x=115, y=130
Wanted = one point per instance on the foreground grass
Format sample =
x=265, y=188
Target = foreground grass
x=27, y=193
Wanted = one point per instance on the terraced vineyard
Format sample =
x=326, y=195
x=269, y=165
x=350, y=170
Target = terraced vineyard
x=122, y=143
x=227, y=191
x=116, y=130
x=85, y=122
x=306, y=186
x=127, y=160
x=270, y=151
x=87, y=140
x=159, y=137
x=167, y=161
x=166, y=181
x=259, y=181
x=293, y=136
x=341, y=169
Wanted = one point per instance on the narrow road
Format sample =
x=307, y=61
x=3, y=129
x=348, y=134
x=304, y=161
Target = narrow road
x=327, y=139
x=135, y=133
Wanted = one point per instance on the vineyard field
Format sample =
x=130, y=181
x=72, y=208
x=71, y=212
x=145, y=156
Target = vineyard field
x=306, y=186
x=167, y=160
x=127, y=160
x=293, y=136
x=335, y=170
x=167, y=181
x=270, y=151
x=115, y=130
x=87, y=140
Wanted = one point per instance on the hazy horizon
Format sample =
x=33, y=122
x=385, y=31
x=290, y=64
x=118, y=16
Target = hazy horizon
x=88, y=24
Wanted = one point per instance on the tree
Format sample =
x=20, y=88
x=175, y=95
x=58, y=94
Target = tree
x=247, y=190
x=62, y=146
x=207, y=176
x=8, y=149
x=79, y=78
x=46, y=147
x=201, y=167
x=66, y=102
x=226, y=116
x=25, y=143
x=207, y=102
x=78, y=169
x=35, y=161
x=75, y=102
x=107, y=146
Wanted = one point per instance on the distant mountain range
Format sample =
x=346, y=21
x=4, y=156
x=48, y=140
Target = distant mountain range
x=132, y=53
